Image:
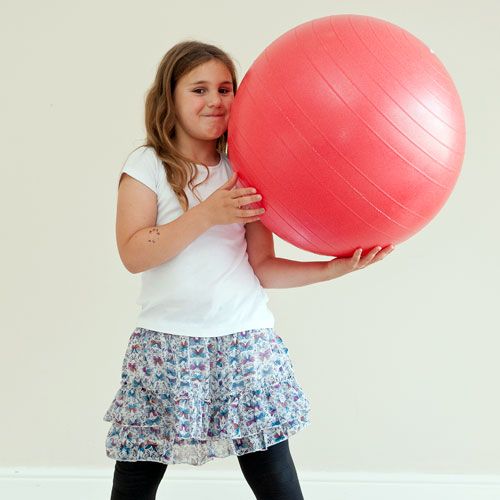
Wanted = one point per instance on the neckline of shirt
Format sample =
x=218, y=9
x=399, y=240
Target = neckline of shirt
x=221, y=160
x=213, y=166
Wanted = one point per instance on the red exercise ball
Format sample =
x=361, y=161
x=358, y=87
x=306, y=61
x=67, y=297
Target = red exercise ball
x=353, y=132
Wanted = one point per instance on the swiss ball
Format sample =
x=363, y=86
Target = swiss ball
x=352, y=131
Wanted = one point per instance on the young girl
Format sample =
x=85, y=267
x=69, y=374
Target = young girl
x=205, y=375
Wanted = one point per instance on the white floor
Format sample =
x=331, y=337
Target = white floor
x=95, y=484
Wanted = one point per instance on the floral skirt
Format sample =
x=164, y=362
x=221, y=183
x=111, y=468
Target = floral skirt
x=185, y=399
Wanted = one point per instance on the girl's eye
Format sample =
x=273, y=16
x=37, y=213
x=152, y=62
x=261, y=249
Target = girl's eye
x=223, y=91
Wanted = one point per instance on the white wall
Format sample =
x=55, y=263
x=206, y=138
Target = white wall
x=411, y=343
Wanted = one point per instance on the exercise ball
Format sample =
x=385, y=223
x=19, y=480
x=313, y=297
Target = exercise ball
x=353, y=132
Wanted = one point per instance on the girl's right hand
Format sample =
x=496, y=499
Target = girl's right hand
x=223, y=206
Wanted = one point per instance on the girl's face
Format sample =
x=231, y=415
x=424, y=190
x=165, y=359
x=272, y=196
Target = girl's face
x=203, y=99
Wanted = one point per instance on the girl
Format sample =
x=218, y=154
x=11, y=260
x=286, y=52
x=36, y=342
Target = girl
x=205, y=375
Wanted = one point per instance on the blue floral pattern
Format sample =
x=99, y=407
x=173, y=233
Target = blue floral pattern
x=185, y=399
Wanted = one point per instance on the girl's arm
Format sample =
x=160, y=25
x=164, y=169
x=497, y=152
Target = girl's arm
x=143, y=245
x=151, y=246
x=275, y=272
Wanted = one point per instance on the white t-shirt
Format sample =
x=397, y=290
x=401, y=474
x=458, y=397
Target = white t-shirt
x=209, y=288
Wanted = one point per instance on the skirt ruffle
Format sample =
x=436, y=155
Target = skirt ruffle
x=192, y=399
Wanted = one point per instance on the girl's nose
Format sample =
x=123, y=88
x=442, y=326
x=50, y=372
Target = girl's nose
x=215, y=99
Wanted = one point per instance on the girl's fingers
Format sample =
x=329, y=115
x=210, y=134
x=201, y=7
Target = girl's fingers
x=245, y=220
x=243, y=212
x=356, y=256
x=369, y=258
x=386, y=251
x=245, y=200
x=236, y=193
x=380, y=254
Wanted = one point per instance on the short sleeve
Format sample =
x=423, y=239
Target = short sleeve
x=142, y=165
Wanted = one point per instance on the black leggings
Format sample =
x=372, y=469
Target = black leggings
x=270, y=474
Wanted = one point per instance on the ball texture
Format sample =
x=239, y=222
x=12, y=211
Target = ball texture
x=353, y=132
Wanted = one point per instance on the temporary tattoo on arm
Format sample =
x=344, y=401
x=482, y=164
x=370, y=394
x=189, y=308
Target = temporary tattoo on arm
x=153, y=235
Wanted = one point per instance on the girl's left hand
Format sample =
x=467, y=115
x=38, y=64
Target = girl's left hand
x=343, y=265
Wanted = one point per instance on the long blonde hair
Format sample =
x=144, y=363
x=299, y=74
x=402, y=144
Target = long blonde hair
x=160, y=112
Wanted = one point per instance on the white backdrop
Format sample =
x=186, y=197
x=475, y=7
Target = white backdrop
x=410, y=345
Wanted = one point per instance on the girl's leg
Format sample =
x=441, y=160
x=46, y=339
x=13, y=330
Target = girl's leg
x=271, y=473
x=136, y=480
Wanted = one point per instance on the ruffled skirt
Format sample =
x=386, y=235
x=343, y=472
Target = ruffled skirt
x=189, y=400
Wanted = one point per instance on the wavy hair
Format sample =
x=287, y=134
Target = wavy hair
x=160, y=112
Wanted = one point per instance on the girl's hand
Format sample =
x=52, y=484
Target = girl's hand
x=339, y=266
x=223, y=206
